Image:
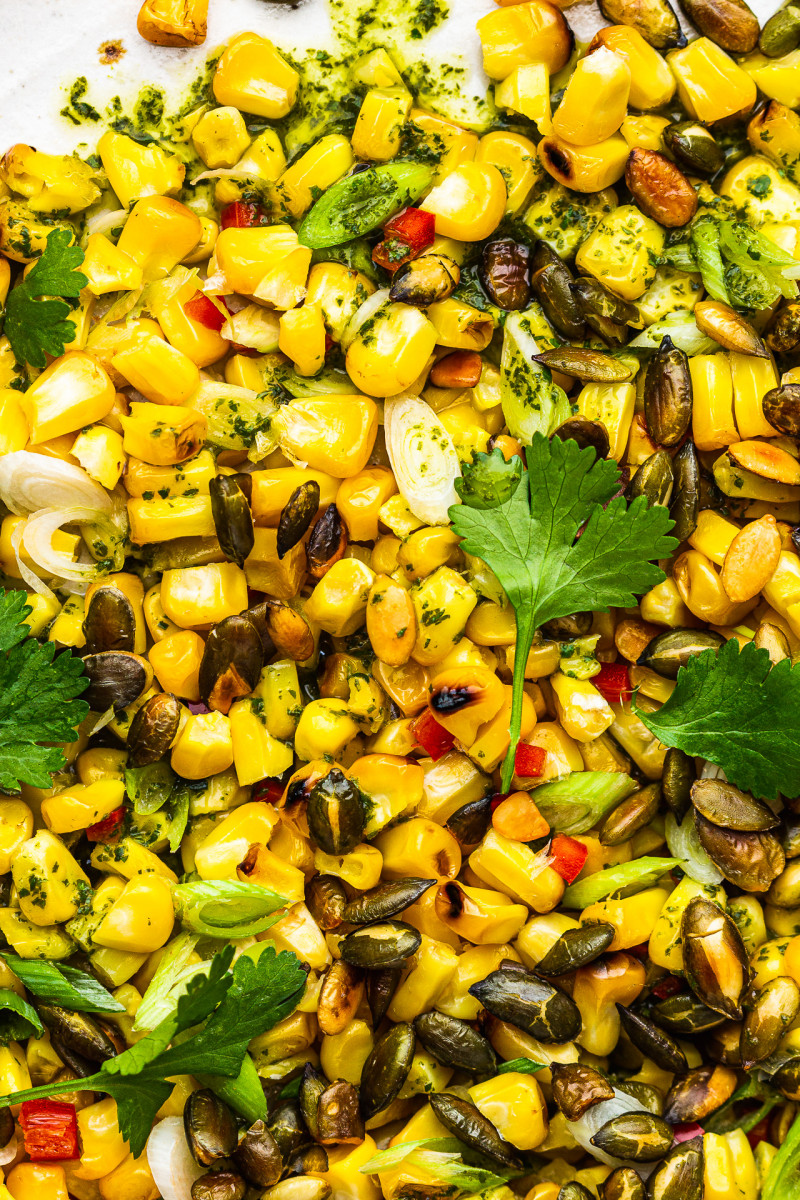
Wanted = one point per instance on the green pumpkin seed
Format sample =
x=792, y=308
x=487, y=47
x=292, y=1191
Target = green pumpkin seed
x=288, y=1128
x=233, y=520
x=425, y=280
x=296, y=516
x=723, y=1044
x=685, y=1015
x=336, y=816
x=585, y=433
x=630, y=816
x=655, y=20
x=466, y=1122
x=751, y=861
x=639, y=1136
x=574, y=1191
x=522, y=999
x=781, y=33
x=781, y=407
x=312, y=1084
x=454, y=1043
x=381, y=987
x=653, y=480
x=575, y=948
x=685, y=505
x=624, y=1184
x=714, y=958
x=469, y=823
x=680, y=1175
x=649, y=1097
x=386, y=1069
x=699, y=1093
x=153, y=729
x=552, y=282
x=577, y=1088
x=110, y=622
x=723, y=804
x=339, y=1116
x=653, y=1042
x=787, y=1079
x=222, y=1185
x=668, y=394
x=768, y=1019
x=231, y=663
x=388, y=944
x=210, y=1127
x=676, y=782
x=671, y=650
x=784, y=335
x=694, y=147
x=258, y=1156
x=590, y=366
x=326, y=900
x=385, y=900
x=772, y=639
x=78, y=1032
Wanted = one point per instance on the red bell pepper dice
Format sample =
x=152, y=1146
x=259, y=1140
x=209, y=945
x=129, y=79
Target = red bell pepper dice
x=270, y=790
x=434, y=739
x=109, y=829
x=242, y=215
x=405, y=235
x=205, y=312
x=50, y=1129
x=613, y=682
x=529, y=761
x=568, y=856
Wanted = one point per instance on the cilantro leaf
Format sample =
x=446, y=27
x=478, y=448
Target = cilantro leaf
x=546, y=571
x=489, y=480
x=734, y=708
x=18, y=1019
x=38, y=702
x=36, y=326
x=62, y=985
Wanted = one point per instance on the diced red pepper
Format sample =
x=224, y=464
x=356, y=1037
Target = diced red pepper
x=759, y=1132
x=50, y=1129
x=641, y=951
x=246, y=351
x=568, y=856
x=391, y=254
x=498, y=798
x=201, y=308
x=270, y=790
x=242, y=215
x=529, y=761
x=109, y=829
x=406, y=235
x=670, y=985
x=434, y=739
x=613, y=682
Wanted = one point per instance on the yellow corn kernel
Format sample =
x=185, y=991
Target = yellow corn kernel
x=131, y=1180
x=375, y=69
x=646, y=132
x=101, y=763
x=67, y=629
x=161, y=520
x=474, y=964
x=652, y=82
x=33, y=941
x=426, y=549
x=666, y=945
x=340, y=292
x=135, y=171
x=562, y=753
x=302, y=338
x=419, y=845
x=713, y=535
x=158, y=624
x=392, y=351
x=163, y=434
x=200, y=345
x=633, y=917
x=43, y=610
x=359, y=500
x=16, y=826
x=219, y=854
x=480, y=915
x=342, y=1055
x=491, y=625
x=492, y=739
x=339, y=601
x=585, y=168
x=392, y=784
x=777, y=78
x=100, y=452
x=729, y=1169
x=199, y=596
x=268, y=869
x=515, y=1105
x=424, y=979
x=448, y=783
x=299, y=932
x=107, y=268
x=613, y=404
x=254, y=77
x=220, y=137
x=256, y=753
x=158, y=234
x=37, y=1181
x=383, y=113
x=701, y=590
x=595, y=100
x=523, y=33
x=51, y=887
x=710, y=84
x=443, y=603
x=14, y=432
x=527, y=91
x=279, y=690
x=49, y=182
x=461, y=327
x=513, y=866
x=22, y=237
x=468, y=203
x=105, y=341
x=581, y=709
x=209, y=232
x=325, y=727
x=171, y=23
x=163, y=374
x=514, y=155
x=713, y=423
x=321, y=166
x=540, y=934
x=333, y=434
x=360, y=868
x=752, y=378
x=194, y=475
x=80, y=806
x=598, y=988
x=72, y=392
x=102, y=1145
x=203, y=746
x=621, y=250
x=459, y=144
x=141, y=920
x=175, y=659
x=662, y=605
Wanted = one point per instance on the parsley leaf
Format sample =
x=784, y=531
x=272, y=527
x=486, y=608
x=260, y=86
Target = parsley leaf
x=545, y=570
x=489, y=481
x=734, y=708
x=38, y=702
x=18, y=1019
x=36, y=326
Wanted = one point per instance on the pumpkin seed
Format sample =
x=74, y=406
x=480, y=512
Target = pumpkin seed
x=772, y=639
x=210, y=1127
x=685, y=1014
x=78, y=1032
x=312, y=1084
x=766, y=460
x=655, y=20
x=727, y=327
x=694, y=146
x=590, y=366
x=653, y=480
x=668, y=394
x=116, y=679
x=636, y=811
x=577, y=1088
x=386, y=1069
x=327, y=543
x=574, y=1191
x=336, y=816
x=231, y=663
x=699, y=1093
x=469, y=823
x=339, y=1118
x=385, y=900
x=671, y=650
x=781, y=406
x=233, y=520
x=730, y=23
x=466, y=1122
x=288, y=1128
x=296, y=516
x=781, y=33
x=326, y=900
x=768, y=1019
x=258, y=1156
x=224, y=1185
x=454, y=1043
x=624, y=1184
x=680, y=1175
x=585, y=433
x=784, y=334
x=640, y=1136
x=723, y=804
x=575, y=948
x=425, y=280
x=505, y=274
x=714, y=957
x=521, y=999
x=751, y=861
x=552, y=282
x=676, y=782
x=388, y=944
x=653, y=1042
x=381, y=987
x=153, y=729
x=787, y=1079
x=685, y=505
x=110, y=622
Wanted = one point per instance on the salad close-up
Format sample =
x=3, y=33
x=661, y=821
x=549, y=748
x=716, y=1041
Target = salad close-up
x=400, y=605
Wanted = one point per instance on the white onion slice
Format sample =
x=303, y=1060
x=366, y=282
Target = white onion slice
x=684, y=843
x=9, y=1152
x=170, y=1160
x=29, y=482
x=362, y=315
x=422, y=456
x=39, y=530
x=225, y=173
x=103, y=222
x=30, y=577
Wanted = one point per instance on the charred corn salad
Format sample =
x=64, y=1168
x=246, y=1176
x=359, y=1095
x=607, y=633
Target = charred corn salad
x=400, y=610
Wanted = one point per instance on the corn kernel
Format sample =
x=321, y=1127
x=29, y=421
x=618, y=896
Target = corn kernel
x=163, y=434
x=380, y=122
x=72, y=392
x=158, y=234
x=468, y=202
x=220, y=137
x=135, y=170
x=199, y=596
x=254, y=77
x=302, y=338
x=109, y=269
x=710, y=84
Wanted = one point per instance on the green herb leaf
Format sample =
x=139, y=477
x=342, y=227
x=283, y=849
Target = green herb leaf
x=385, y=1160
x=734, y=708
x=149, y=787
x=360, y=203
x=489, y=481
x=65, y=986
x=18, y=1019
x=35, y=326
x=525, y=1066
x=638, y=874
x=38, y=691
x=545, y=570
x=225, y=908
x=783, y=1178
x=705, y=246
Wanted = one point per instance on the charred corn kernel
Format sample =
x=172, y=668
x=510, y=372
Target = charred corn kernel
x=468, y=203
x=524, y=33
x=99, y=451
x=407, y=685
x=203, y=746
x=361, y=868
x=49, y=182
x=710, y=84
x=102, y=1145
x=666, y=946
x=462, y=327
x=131, y=1180
x=701, y=590
x=527, y=91
x=613, y=404
x=299, y=932
x=51, y=887
x=16, y=827
x=163, y=434
x=390, y=351
x=582, y=710
x=512, y=865
x=339, y=601
x=226, y=845
x=426, y=549
x=455, y=144
x=479, y=915
x=161, y=520
x=340, y=292
x=254, y=77
x=515, y=1105
x=61, y=541
x=158, y=234
x=359, y=500
x=752, y=378
x=302, y=338
x=392, y=785
x=713, y=423
x=777, y=78
x=209, y=232
x=395, y=738
x=256, y=753
x=419, y=845
x=321, y=166
x=584, y=168
x=443, y=603
x=272, y=489
x=72, y=392
x=652, y=83
x=199, y=596
x=598, y=988
x=80, y=806
x=135, y=170
x=159, y=371
x=464, y=699
x=37, y=1181
x=325, y=727
x=270, y=870
x=423, y=981
x=220, y=137
x=511, y=153
x=622, y=250
x=33, y=941
x=129, y=858
x=383, y=113
x=175, y=659
x=141, y=920
x=14, y=431
x=595, y=100
x=171, y=23
x=729, y=1169
x=333, y=434
x=633, y=918
x=107, y=268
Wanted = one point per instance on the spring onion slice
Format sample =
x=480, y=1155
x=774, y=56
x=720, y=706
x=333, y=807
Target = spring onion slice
x=422, y=456
x=684, y=843
x=29, y=482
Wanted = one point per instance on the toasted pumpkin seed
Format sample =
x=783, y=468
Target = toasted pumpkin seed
x=751, y=861
x=781, y=33
x=653, y=479
x=630, y=816
x=110, y=622
x=153, y=729
x=590, y=366
x=784, y=333
x=469, y=823
x=781, y=406
x=699, y=1093
x=521, y=999
x=454, y=1043
x=466, y=1122
x=660, y=189
x=577, y=1088
x=585, y=433
x=552, y=282
x=312, y=1084
x=339, y=1119
x=639, y=1136
x=575, y=948
x=772, y=639
x=723, y=804
x=685, y=1014
x=714, y=957
x=670, y=651
x=685, y=505
x=381, y=986
x=339, y=997
x=298, y=513
x=386, y=1069
x=668, y=394
x=676, y=781
x=210, y=1127
x=388, y=944
x=233, y=520
x=327, y=542
x=768, y=1019
x=729, y=23
x=116, y=679
x=655, y=20
x=231, y=663
x=653, y=1042
x=336, y=816
x=385, y=900
x=624, y=1184
x=680, y=1175
x=326, y=900
x=729, y=328
x=766, y=460
x=694, y=146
